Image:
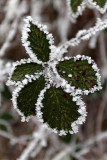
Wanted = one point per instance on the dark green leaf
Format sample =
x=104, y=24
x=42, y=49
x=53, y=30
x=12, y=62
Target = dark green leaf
x=83, y=75
x=59, y=110
x=67, y=138
x=23, y=69
x=39, y=43
x=75, y=4
x=3, y=128
x=73, y=158
x=28, y=96
x=101, y=3
x=97, y=94
x=6, y=116
x=105, y=31
x=6, y=94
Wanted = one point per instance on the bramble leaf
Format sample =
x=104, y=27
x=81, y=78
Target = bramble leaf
x=59, y=110
x=3, y=128
x=6, y=94
x=28, y=96
x=78, y=73
x=34, y=96
x=101, y=3
x=38, y=42
x=6, y=116
x=75, y=4
x=66, y=139
x=23, y=69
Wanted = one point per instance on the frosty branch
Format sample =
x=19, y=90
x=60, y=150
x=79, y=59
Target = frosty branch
x=56, y=75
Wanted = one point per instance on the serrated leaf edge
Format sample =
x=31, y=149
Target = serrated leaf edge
x=16, y=94
x=79, y=11
x=74, y=125
x=25, y=35
x=86, y=3
x=18, y=63
x=94, y=4
x=71, y=89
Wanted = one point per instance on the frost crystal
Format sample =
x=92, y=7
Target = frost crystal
x=80, y=8
x=52, y=77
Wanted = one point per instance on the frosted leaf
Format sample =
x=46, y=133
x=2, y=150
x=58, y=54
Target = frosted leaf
x=46, y=79
x=80, y=72
x=60, y=118
x=76, y=7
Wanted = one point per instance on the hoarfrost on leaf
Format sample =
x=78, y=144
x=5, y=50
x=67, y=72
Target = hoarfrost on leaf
x=47, y=79
x=76, y=7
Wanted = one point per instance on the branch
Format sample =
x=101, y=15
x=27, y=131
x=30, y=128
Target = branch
x=14, y=140
x=38, y=137
x=85, y=147
x=83, y=35
x=14, y=26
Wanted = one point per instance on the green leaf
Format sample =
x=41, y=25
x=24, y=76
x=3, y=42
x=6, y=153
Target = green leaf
x=6, y=116
x=75, y=4
x=101, y=3
x=23, y=69
x=39, y=43
x=105, y=31
x=6, y=94
x=73, y=158
x=97, y=94
x=59, y=110
x=28, y=96
x=67, y=138
x=79, y=74
x=3, y=128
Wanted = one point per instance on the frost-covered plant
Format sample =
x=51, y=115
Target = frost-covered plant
x=49, y=85
x=4, y=70
x=6, y=118
x=76, y=7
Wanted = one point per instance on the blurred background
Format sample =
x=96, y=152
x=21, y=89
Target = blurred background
x=29, y=140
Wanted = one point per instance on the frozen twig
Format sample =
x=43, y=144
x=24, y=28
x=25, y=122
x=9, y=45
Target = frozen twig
x=15, y=140
x=83, y=35
x=85, y=147
x=14, y=27
x=39, y=135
